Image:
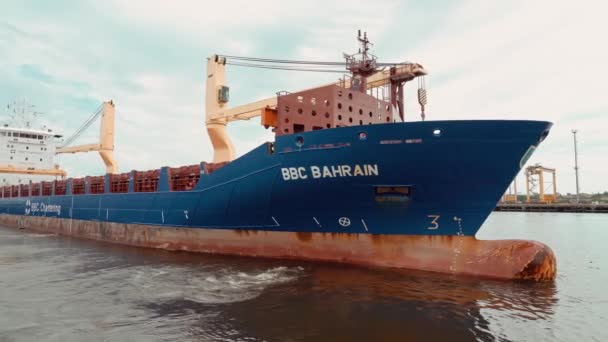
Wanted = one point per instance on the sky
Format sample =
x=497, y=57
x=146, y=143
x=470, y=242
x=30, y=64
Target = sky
x=540, y=60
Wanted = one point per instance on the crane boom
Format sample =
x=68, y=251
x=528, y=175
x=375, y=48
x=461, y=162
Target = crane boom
x=218, y=115
x=105, y=147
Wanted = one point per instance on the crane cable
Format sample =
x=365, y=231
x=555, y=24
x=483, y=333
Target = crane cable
x=298, y=65
x=83, y=127
x=278, y=67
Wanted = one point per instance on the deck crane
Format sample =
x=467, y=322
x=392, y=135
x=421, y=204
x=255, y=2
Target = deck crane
x=105, y=147
x=218, y=114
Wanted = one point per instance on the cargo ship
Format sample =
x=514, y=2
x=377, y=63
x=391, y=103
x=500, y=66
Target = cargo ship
x=347, y=179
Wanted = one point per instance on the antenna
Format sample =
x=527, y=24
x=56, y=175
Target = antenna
x=361, y=64
x=22, y=114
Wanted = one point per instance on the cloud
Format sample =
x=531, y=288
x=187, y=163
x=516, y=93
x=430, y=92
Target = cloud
x=526, y=60
x=513, y=60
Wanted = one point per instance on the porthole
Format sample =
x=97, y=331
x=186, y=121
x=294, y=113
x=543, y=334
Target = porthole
x=314, y=113
x=339, y=117
x=350, y=96
x=388, y=119
x=299, y=110
x=350, y=120
x=350, y=108
x=326, y=114
x=328, y=126
x=299, y=141
x=287, y=109
x=370, y=114
x=360, y=111
x=286, y=120
x=339, y=105
x=360, y=122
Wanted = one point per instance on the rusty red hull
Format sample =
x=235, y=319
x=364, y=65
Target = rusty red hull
x=503, y=259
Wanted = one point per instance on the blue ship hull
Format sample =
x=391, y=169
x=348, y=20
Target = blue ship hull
x=327, y=181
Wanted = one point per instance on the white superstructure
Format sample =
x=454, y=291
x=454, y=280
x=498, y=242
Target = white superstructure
x=25, y=149
x=32, y=149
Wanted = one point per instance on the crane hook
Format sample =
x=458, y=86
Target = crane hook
x=422, y=96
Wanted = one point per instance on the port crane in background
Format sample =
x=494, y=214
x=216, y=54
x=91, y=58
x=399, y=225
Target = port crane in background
x=537, y=185
x=105, y=147
x=366, y=73
x=511, y=195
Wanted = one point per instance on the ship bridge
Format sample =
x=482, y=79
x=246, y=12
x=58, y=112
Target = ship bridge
x=370, y=92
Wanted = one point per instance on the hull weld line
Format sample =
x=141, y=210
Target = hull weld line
x=317, y=221
x=364, y=225
x=275, y=221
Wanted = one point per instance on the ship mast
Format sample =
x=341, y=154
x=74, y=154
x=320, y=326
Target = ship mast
x=367, y=75
x=362, y=65
x=21, y=113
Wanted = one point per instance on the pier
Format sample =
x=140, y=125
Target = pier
x=554, y=207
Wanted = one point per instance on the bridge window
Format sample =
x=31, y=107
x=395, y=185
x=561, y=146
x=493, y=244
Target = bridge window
x=393, y=193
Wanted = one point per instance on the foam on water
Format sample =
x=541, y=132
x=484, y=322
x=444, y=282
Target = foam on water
x=210, y=285
x=63, y=289
x=36, y=235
